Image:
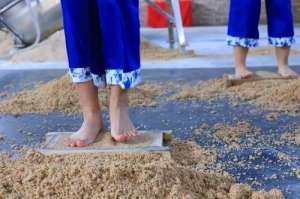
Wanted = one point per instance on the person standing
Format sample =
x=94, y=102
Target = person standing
x=103, y=46
x=243, y=33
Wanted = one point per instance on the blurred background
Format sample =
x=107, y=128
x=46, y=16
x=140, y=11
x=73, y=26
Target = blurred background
x=211, y=12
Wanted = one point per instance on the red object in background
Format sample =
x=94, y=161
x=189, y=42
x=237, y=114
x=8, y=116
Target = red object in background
x=156, y=20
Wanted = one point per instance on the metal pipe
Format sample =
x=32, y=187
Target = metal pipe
x=178, y=22
x=35, y=21
x=174, y=19
x=10, y=5
x=11, y=30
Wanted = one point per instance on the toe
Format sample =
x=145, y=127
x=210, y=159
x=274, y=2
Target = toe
x=67, y=142
x=72, y=144
x=294, y=75
x=247, y=75
x=75, y=143
x=120, y=138
x=244, y=76
x=81, y=143
x=133, y=133
x=237, y=76
x=130, y=134
x=289, y=76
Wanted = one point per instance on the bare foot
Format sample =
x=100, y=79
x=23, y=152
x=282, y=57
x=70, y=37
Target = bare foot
x=242, y=73
x=122, y=128
x=87, y=134
x=287, y=72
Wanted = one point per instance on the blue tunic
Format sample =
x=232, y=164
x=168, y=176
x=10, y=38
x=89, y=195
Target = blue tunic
x=103, y=41
x=244, y=20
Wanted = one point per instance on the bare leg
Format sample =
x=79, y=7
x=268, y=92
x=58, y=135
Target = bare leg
x=284, y=70
x=122, y=128
x=240, y=56
x=92, y=124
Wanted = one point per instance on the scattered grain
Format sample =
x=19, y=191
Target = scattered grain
x=272, y=194
x=292, y=137
x=231, y=135
x=274, y=95
x=60, y=96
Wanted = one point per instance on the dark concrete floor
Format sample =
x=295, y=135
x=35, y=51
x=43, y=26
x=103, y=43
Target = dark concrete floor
x=182, y=118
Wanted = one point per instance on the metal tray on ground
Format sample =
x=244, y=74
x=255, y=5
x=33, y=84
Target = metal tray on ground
x=146, y=141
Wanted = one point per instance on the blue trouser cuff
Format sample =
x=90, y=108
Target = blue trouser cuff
x=125, y=80
x=282, y=41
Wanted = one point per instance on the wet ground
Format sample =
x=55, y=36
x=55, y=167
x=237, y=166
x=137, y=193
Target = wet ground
x=256, y=162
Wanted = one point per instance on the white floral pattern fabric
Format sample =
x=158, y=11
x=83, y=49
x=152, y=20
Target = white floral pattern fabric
x=282, y=41
x=243, y=42
x=125, y=80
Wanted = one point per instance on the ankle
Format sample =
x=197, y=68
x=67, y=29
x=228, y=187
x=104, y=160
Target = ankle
x=92, y=116
x=283, y=66
x=240, y=67
x=120, y=100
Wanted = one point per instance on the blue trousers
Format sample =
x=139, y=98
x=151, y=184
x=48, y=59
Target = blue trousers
x=103, y=41
x=244, y=20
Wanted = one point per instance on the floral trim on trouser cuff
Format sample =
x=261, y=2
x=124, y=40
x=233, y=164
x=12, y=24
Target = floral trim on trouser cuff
x=80, y=75
x=125, y=80
x=282, y=41
x=112, y=77
x=243, y=42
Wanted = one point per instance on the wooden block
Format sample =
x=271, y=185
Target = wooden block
x=146, y=141
x=167, y=137
x=268, y=75
x=231, y=80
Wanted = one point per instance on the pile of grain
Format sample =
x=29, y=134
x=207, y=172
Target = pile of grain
x=273, y=95
x=118, y=176
x=192, y=155
x=54, y=49
x=59, y=96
